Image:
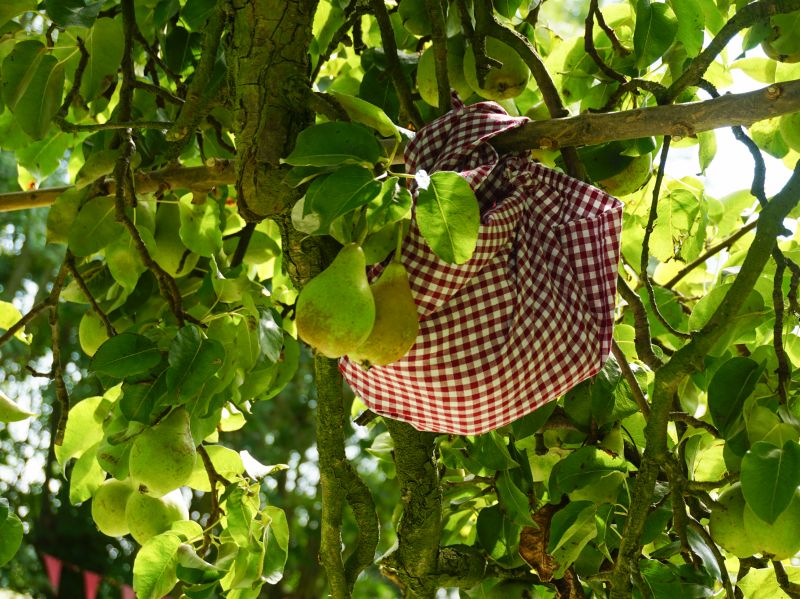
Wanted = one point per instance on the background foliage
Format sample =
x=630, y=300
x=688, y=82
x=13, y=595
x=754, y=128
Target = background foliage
x=187, y=149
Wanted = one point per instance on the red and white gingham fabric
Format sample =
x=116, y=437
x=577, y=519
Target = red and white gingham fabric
x=529, y=316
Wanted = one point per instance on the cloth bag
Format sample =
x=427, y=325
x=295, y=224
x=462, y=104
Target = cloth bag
x=529, y=316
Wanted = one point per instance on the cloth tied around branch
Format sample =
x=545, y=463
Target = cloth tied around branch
x=528, y=317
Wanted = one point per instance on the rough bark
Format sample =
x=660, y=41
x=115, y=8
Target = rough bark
x=268, y=59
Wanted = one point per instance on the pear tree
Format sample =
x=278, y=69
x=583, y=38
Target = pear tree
x=215, y=180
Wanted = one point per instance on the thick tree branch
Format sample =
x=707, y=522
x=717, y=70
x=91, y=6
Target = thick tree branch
x=687, y=359
x=583, y=130
x=414, y=562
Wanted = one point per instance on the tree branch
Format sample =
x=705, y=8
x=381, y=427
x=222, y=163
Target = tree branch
x=687, y=359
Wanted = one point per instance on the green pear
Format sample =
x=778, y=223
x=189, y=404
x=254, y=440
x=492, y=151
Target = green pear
x=169, y=247
x=108, y=507
x=726, y=523
x=335, y=310
x=783, y=43
x=414, y=16
x=632, y=178
x=396, y=320
x=508, y=81
x=148, y=516
x=779, y=539
x=162, y=457
x=790, y=130
x=426, y=72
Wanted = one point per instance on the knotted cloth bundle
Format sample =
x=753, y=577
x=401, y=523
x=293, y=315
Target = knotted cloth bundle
x=529, y=316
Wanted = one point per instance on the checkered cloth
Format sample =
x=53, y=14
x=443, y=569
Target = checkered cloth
x=529, y=316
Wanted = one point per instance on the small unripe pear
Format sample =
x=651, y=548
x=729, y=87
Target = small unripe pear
x=162, y=457
x=506, y=82
x=396, y=320
x=335, y=310
x=148, y=516
x=108, y=507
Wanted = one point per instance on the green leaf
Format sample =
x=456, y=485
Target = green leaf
x=329, y=144
x=758, y=68
x=200, y=225
x=691, y=25
x=277, y=544
x=582, y=468
x=368, y=114
x=195, y=13
x=656, y=27
x=73, y=12
x=125, y=355
x=708, y=148
x=124, y=261
x=489, y=449
x=270, y=336
x=95, y=227
x=42, y=158
x=193, y=360
x=498, y=536
x=155, y=567
x=86, y=476
x=732, y=384
x=10, y=411
x=571, y=528
x=11, y=532
x=448, y=216
x=98, y=164
x=532, y=422
x=139, y=399
x=240, y=518
x=62, y=214
x=12, y=8
x=392, y=204
x=340, y=192
x=9, y=316
x=227, y=463
x=750, y=315
x=770, y=477
x=105, y=46
x=516, y=504
x=32, y=86
x=82, y=432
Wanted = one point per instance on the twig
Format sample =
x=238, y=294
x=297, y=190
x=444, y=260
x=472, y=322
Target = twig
x=477, y=43
x=357, y=10
x=395, y=70
x=214, y=478
x=76, y=80
x=69, y=261
x=68, y=127
x=710, y=252
x=244, y=240
x=591, y=50
x=710, y=485
x=609, y=31
x=439, y=35
x=199, y=90
x=630, y=377
x=57, y=372
x=783, y=370
x=718, y=557
x=695, y=422
x=641, y=325
x=787, y=586
x=648, y=230
x=159, y=91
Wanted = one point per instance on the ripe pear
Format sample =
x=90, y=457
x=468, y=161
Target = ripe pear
x=396, y=320
x=506, y=82
x=426, y=72
x=108, y=507
x=779, y=539
x=169, y=247
x=91, y=332
x=726, y=523
x=162, y=457
x=335, y=310
x=148, y=516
